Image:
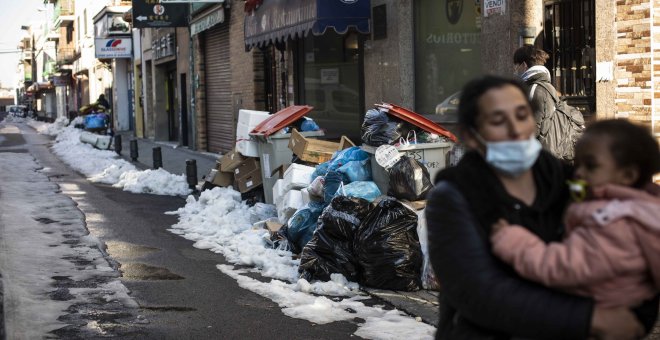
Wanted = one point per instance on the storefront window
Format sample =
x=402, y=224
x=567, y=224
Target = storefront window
x=329, y=80
x=447, y=54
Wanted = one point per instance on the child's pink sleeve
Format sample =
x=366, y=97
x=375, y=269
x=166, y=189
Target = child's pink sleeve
x=576, y=261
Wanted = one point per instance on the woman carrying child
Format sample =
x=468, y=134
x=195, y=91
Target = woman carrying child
x=506, y=175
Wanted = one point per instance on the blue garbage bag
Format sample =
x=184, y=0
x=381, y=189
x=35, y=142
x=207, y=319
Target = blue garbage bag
x=301, y=226
x=332, y=181
x=364, y=189
x=309, y=124
x=95, y=121
x=347, y=155
x=321, y=170
x=356, y=171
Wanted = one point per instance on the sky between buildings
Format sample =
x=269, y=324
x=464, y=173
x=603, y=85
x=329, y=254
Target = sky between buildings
x=13, y=15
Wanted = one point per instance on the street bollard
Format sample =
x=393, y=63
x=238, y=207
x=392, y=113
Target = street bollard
x=134, y=150
x=191, y=173
x=118, y=144
x=158, y=158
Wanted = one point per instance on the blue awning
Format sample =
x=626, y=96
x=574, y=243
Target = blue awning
x=278, y=20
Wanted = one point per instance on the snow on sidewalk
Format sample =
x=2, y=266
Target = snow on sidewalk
x=104, y=166
x=219, y=221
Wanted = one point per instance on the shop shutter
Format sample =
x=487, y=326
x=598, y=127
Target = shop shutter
x=219, y=116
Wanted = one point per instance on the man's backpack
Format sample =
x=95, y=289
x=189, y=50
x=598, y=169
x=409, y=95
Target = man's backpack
x=560, y=130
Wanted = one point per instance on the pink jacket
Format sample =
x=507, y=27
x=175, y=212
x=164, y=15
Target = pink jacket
x=611, y=252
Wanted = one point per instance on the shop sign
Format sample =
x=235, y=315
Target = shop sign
x=493, y=7
x=330, y=76
x=163, y=46
x=113, y=48
x=158, y=13
x=207, y=21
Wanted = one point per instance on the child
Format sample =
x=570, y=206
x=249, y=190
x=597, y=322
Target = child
x=612, y=248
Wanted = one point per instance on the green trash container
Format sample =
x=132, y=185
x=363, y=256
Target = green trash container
x=433, y=155
x=273, y=152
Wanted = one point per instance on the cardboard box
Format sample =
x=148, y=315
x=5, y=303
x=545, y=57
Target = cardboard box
x=314, y=150
x=249, y=181
x=223, y=179
x=231, y=161
x=248, y=166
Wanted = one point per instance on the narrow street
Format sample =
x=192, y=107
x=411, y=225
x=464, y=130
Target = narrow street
x=176, y=291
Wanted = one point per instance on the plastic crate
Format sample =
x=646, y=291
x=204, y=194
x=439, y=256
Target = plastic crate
x=433, y=155
x=273, y=152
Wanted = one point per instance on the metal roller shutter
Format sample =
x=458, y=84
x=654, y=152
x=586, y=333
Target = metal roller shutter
x=219, y=116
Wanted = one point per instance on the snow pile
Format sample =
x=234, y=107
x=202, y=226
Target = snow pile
x=220, y=222
x=158, y=182
x=53, y=129
x=104, y=166
x=13, y=119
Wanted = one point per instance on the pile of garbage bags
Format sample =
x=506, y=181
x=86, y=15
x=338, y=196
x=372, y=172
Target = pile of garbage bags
x=345, y=223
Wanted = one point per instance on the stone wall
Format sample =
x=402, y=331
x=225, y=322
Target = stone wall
x=632, y=64
x=655, y=36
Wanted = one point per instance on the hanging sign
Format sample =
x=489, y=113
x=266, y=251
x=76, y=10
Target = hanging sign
x=158, y=13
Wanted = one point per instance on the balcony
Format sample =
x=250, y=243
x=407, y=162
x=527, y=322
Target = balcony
x=66, y=56
x=64, y=13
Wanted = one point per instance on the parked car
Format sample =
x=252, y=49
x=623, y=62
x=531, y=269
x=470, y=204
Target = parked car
x=17, y=110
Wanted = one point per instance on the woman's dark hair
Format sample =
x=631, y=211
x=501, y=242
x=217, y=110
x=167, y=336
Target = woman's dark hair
x=530, y=55
x=468, y=105
x=630, y=145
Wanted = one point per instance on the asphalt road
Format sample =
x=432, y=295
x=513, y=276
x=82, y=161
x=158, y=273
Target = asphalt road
x=180, y=292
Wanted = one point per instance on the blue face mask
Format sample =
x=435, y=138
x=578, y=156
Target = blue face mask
x=511, y=158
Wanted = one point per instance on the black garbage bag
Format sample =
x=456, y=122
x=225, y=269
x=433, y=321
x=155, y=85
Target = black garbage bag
x=377, y=129
x=387, y=247
x=409, y=180
x=331, y=248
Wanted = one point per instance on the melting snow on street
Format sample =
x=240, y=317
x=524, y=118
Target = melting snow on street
x=104, y=166
x=47, y=253
x=220, y=222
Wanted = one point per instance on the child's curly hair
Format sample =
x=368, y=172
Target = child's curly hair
x=630, y=145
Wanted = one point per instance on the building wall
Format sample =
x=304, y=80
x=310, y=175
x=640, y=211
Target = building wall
x=247, y=76
x=199, y=81
x=389, y=63
x=606, y=50
x=655, y=36
x=632, y=66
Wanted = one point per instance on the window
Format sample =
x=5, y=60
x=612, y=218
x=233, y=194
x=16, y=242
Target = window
x=85, y=21
x=447, y=54
x=328, y=70
x=569, y=38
